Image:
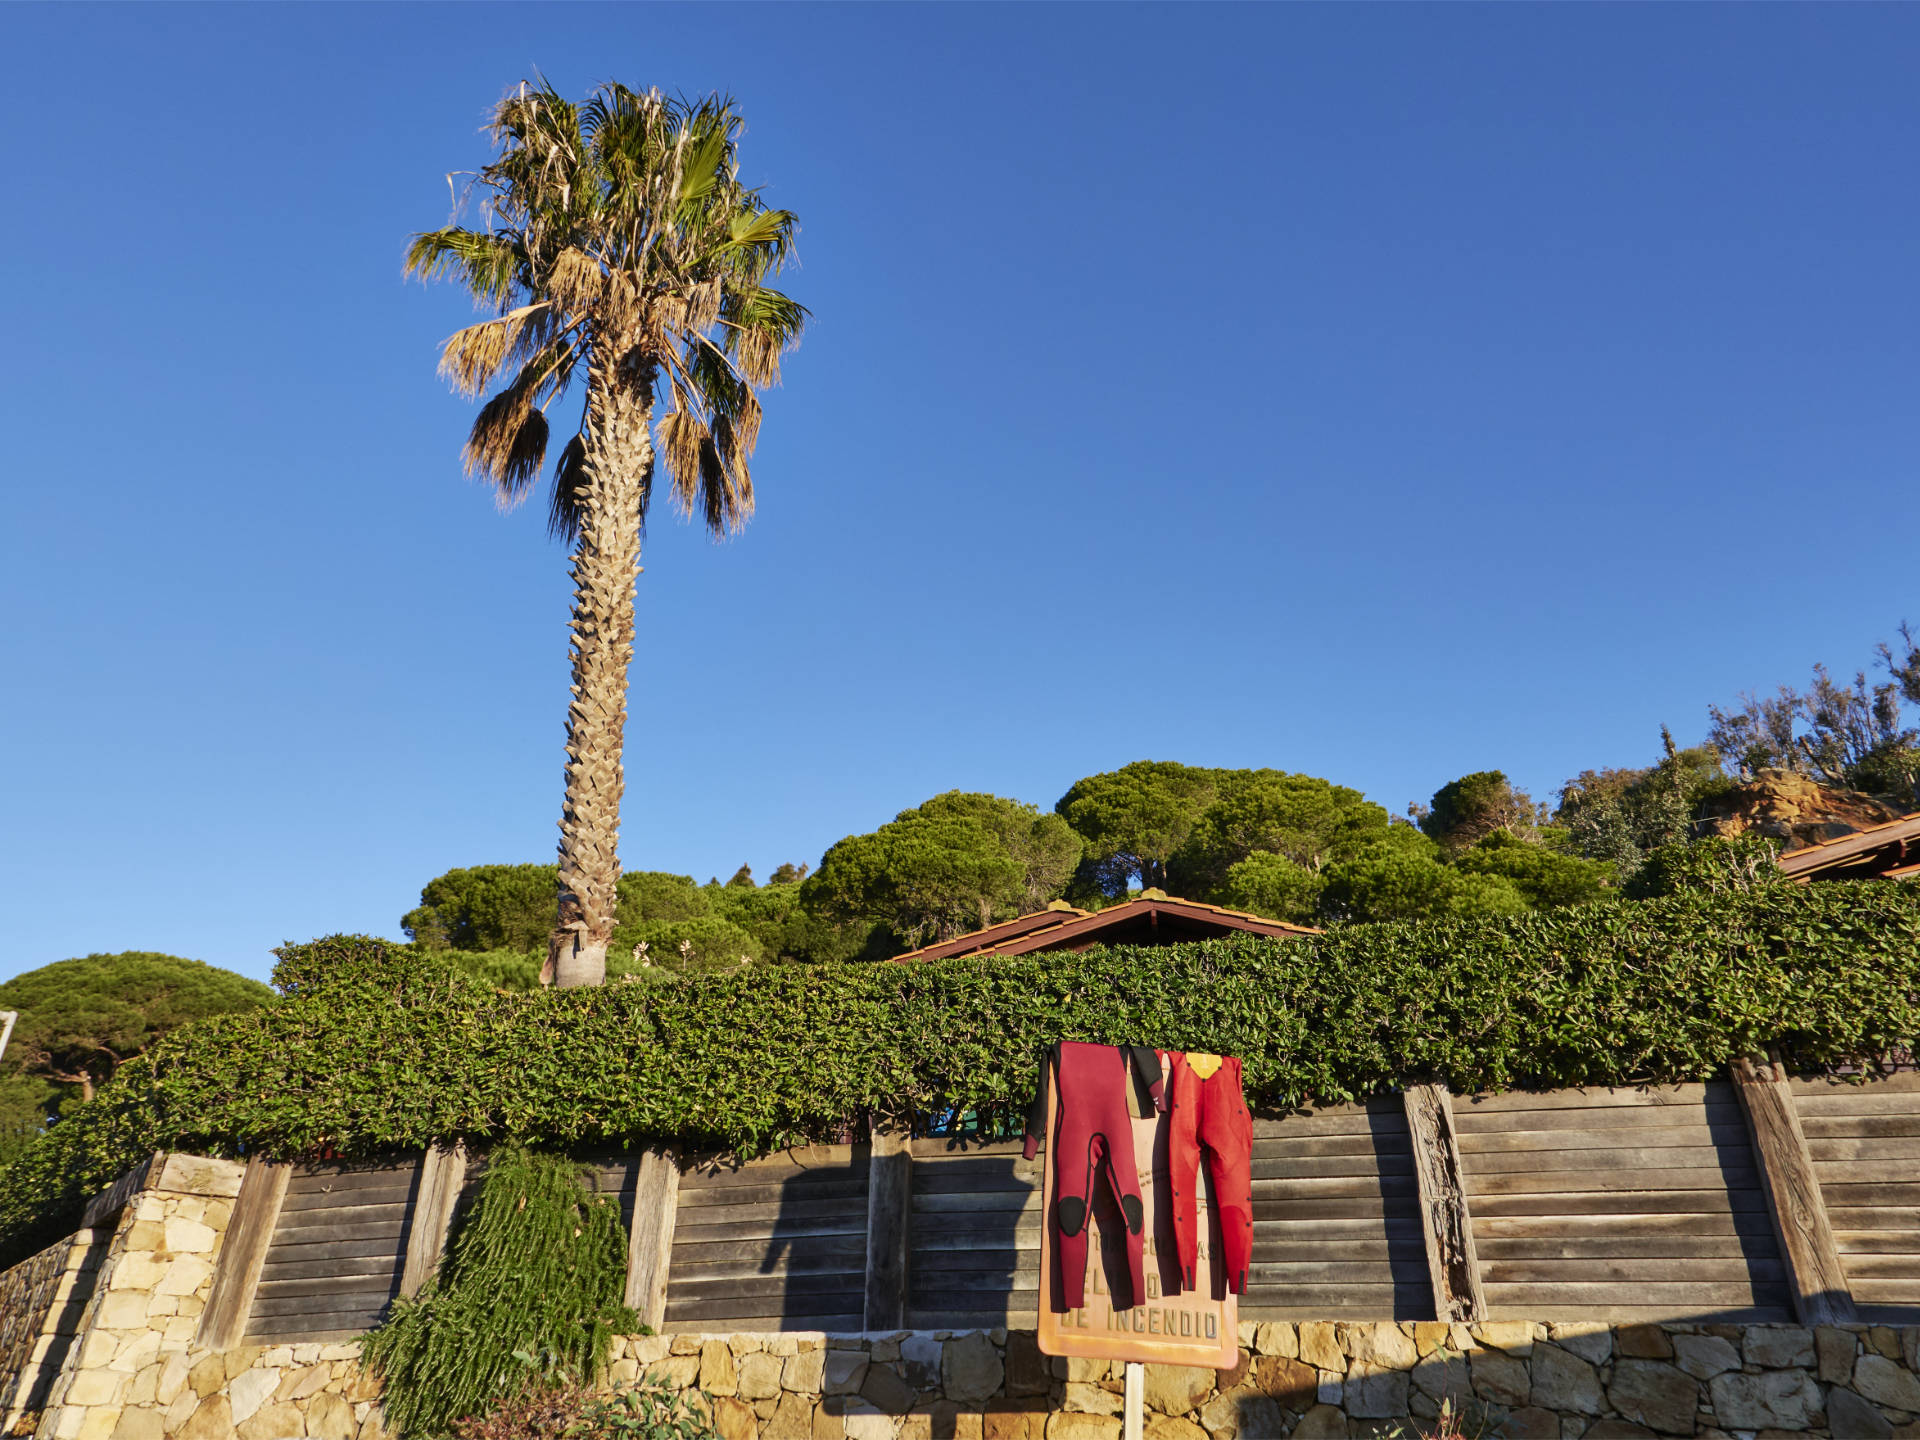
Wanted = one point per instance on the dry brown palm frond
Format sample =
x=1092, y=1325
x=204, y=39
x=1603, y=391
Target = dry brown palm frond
x=575, y=281
x=507, y=443
x=758, y=353
x=726, y=487
x=682, y=437
x=703, y=306
x=472, y=357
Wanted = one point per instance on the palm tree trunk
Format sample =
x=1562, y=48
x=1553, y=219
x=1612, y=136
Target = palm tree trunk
x=619, y=467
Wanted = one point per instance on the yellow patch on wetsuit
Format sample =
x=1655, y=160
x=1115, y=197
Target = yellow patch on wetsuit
x=1202, y=1065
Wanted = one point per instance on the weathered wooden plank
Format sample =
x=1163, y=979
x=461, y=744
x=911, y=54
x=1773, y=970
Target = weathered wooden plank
x=1598, y=1097
x=1561, y=1271
x=834, y=1249
x=791, y=1289
x=1551, y=1296
x=1006, y=1261
x=1332, y=1166
x=768, y=1230
x=270, y=1290
x=1011, y=1201
x=650, y=1238
x=816, y=1312
x=1597, y=1118
x=365, y=1197
x=1898, y=1082
x=243, y=1251
x=1868, y=1148
x=1323, y=1122
x=1563, y=1182
x=1338, y=1208
x=443, y=1170
x=1870, y=1217
x=299, y=1334
x=945, y=1177
x=1891, y=1241
x=1859, y=1103
x=939, y=1147
x=890, y=1206
x=843, y=1187
x=334, y=1303
x=1358, y=1186
x=1643, y=1137
x=1821, y=1296
x=773, y=1324
x=976, y=1319
x=790, y=1213
x=1025, y=1235
x=1446, y=1221
x=1848, y=1127
x=1579, y=1163
x=393, y=1213
x=386, y=1246
x=1625, y=1225
x=390, y=1231
x=342, y=1182
x=1283, y=1146
x=1621, y=1202
x=1896, y=1173
x=799, y=1161
x=1869, y=1266
x=1887, y=1292
x=386, y=1266
x=1530, y=1308
x=1582, y=1246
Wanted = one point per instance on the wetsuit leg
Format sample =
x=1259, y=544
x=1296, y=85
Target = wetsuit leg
x=1211, y=1115
x=1183, y=1160
x=1095, y=1134
x=1226, y=1128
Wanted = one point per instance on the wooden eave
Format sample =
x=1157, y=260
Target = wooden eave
x=1892, y=849
x=975, y=941
x=1081, y=930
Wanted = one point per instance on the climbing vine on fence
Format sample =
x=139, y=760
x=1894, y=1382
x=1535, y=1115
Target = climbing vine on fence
x=529, y=1298
x=380, y=1045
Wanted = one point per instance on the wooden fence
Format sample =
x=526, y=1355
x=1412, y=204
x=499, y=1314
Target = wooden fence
x=1754, y=1198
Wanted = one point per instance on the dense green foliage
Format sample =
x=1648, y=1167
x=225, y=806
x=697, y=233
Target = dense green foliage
x=529, y=1298
x=378, y=1045
x=495, y=919
x=959, y=862
x=1622, y=816
x=79, y=1019
x=1715, y=866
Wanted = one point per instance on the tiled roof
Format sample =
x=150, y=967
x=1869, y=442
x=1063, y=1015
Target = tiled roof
x=1900, y=838
x=1076, y=929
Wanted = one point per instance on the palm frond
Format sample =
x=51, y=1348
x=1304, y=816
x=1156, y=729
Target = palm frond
x=489, y=266
x=569, y=480
x=507, y=444
x=472, y=357
x=762, y=325
x=683, y=436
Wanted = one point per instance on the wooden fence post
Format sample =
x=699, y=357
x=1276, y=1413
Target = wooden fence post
x=656, y=1199
x=443, y=1170
x=889, y=1226
x=1821, y=1294
x=243, y=1250
x=1445, y=1222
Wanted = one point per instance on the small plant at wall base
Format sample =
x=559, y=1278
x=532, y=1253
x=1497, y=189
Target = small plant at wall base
x=528, y=1300
x=649, y=1410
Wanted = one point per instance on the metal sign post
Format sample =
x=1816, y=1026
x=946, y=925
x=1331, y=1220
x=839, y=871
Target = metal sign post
x=1136, y=1398
x=7, y=1017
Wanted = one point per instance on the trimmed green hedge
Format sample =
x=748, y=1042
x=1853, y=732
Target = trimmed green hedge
x=380, y=1045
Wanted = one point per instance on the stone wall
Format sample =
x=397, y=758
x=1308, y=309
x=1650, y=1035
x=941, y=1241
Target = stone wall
x=133, y=1371
x=1311, y=1381
x=42, y=1300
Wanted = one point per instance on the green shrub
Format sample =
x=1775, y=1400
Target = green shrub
x=527, y=1300
x=1716, y=866
x=381, y=1045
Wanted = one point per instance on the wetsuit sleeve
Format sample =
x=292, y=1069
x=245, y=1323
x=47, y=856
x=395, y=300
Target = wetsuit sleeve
x=1146, y=1064
x=1037, y=1108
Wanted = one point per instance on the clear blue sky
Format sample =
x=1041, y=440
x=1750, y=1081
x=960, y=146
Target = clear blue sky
x=1378, y=392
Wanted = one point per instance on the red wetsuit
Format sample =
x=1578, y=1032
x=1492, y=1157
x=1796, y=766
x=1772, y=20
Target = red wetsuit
x=1212, y=1113
x=1094, y=1133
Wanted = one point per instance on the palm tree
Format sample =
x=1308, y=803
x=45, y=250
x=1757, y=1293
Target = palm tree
x=620, y=247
